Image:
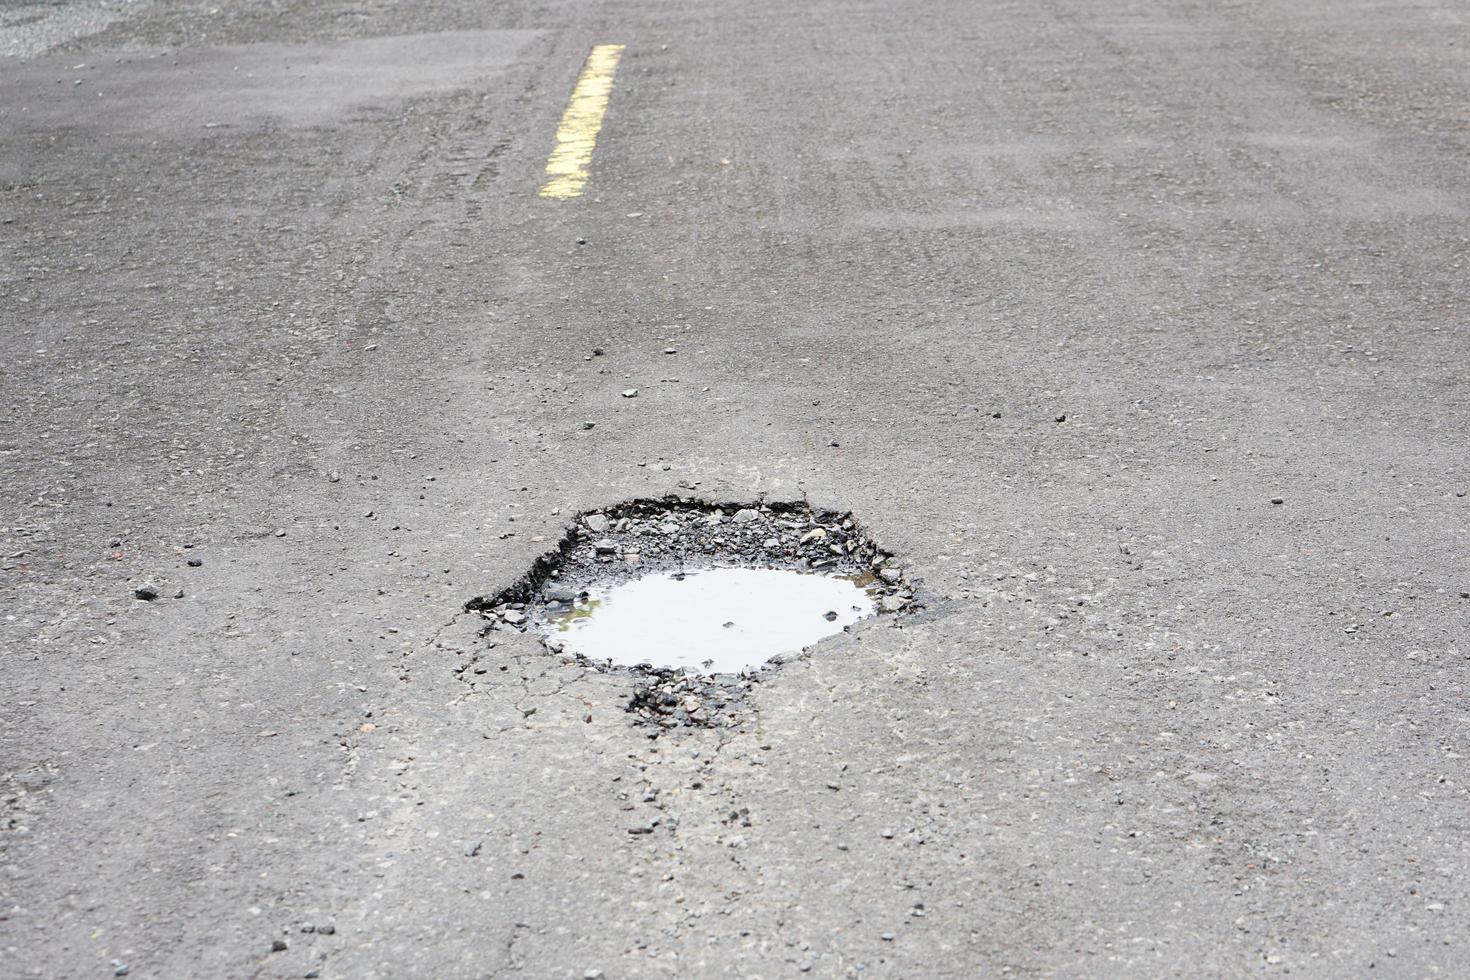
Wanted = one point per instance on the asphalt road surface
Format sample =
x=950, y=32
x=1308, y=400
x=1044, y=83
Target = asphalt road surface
x=1137, y=329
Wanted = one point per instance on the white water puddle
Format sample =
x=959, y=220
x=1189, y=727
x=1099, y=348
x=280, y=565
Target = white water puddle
x=718, y=620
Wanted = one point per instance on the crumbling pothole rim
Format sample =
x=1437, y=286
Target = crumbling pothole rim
x=647, y=535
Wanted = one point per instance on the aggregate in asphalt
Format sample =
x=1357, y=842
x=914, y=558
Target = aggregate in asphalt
x=1138, y=330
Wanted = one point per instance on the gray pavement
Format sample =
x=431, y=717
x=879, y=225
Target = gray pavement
x=1137, y=329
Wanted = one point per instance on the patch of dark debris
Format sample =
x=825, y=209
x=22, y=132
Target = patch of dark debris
x=617, y=544
x=666, y=699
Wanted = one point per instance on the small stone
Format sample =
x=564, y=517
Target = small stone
x=586, y=426
x=1061, y=418
x=771, y=543
x=1278, y=500
x=147, y=592
x=307, y=927
x=334, y=476
x=121, y=970
x=472, y=849
x=327, y=929
x=194, y=562
x=278, y=946
x=670, y=350
x=178, y=593
x=598, y=352
x=630, y=392
x=830, y=616
x=280, y=532
x=815, y=534
x=513, y=618
x=596, y=523
x=891, y=575
x=892, y=603
x=606, y=547
x=562, y=593
x=746, y=515
x=592, y=974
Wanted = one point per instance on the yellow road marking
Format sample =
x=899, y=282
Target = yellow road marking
x=566, y=168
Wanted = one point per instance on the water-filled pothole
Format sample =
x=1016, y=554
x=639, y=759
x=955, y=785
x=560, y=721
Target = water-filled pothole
x=717, y=620
x=654, y=583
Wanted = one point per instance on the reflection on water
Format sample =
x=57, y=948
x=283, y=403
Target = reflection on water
x=719, y=620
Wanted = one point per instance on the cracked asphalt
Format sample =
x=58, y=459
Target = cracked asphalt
x=1137, y=330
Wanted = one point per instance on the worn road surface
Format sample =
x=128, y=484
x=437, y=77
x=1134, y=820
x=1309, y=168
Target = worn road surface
x=1138, y=329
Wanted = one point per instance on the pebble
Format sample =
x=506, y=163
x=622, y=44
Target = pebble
x=588, y=425
x=891, y=575
x=472, y=849
x=1278, y=500
x=606, y=547
x=514, y=618
x=146, y=592
x=746, y=515
x=194, y=562
x=596, y=523
x=892, y=603
x=280, y=532
x=630, y=392
x=278, y=946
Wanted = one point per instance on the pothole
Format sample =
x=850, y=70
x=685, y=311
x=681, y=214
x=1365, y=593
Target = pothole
x=698, y=597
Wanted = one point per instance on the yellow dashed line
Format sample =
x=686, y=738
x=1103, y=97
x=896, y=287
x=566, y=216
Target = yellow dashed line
x=566, y=168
